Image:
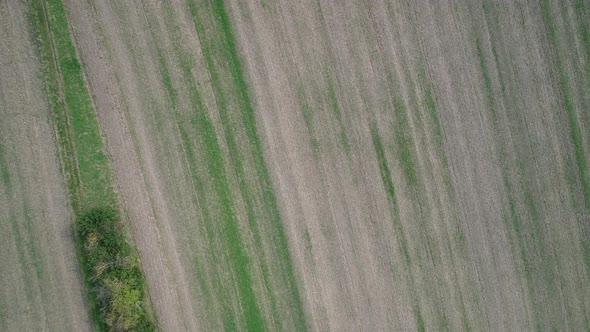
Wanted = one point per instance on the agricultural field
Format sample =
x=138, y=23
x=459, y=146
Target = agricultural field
x=259, y=165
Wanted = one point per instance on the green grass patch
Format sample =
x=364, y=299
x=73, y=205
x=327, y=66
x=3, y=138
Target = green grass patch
x=420, y=326
x=335, y=108
x=112, y=271
x=404, y=142
x=575, y=130
x=4, y=172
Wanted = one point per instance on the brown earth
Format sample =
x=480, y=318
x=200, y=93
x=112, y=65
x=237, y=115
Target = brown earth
x=468, y=260
x=40, y=284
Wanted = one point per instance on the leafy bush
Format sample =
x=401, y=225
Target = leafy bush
x=112, y=272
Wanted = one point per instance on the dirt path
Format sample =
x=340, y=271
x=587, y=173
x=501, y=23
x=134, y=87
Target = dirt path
x=40, y=284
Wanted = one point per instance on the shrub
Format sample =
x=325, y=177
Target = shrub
x=113, y=273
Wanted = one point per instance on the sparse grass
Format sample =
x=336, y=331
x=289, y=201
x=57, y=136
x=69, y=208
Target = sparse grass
x=4, y=172
x=420, y=326
x=404, y=142
x=230, y=89
x=568, y=103
x=335, y=108
x=487, y=82
x=390, y=190
x=21, y=255
x=528, y=232
x=575, y=130
x=308, y=118
x=197, y=183
x=430, y=105
x=583, y=25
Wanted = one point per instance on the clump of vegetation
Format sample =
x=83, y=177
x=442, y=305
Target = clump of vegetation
x=112, y=271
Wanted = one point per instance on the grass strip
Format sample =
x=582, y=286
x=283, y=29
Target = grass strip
x=80, y=143
x=221, y=56
x=113, y=277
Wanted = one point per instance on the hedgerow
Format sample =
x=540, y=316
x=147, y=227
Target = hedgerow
x=112, y=271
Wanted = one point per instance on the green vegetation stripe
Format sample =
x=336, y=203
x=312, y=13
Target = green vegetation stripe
x=583, y=25
x=529, y=233
x=85, y=163
x=420, y=326
x=575, y=130
x=390, y=190
x=334, y=106
x=486, y=80
x=4, y=172
x=229, y=230
x=513, y=220
x=431, y=107
x=113, y=277
x=199, y=200
x=404, y=142
x=3, y=315
x=222, y=43
x=216, y=166
x=197, y=183
x=308, y=118
x=568, y=104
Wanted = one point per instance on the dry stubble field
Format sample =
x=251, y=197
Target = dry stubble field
x=315, y=165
